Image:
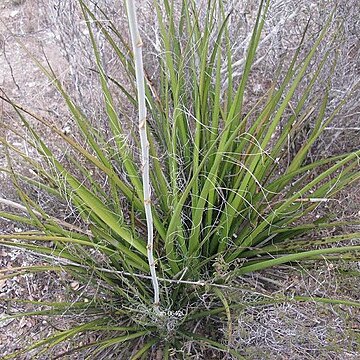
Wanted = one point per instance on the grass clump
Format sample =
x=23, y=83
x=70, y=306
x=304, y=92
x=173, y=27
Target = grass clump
x=215, y=195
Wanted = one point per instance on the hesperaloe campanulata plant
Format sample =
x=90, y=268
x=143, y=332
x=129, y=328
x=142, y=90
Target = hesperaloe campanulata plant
x=228, y=197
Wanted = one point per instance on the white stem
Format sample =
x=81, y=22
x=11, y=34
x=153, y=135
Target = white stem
x=140, y=84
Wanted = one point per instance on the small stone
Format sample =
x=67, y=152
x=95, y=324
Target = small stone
x=3, y=285
x=14, y=13
x=74, y=285
x=4, y=320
